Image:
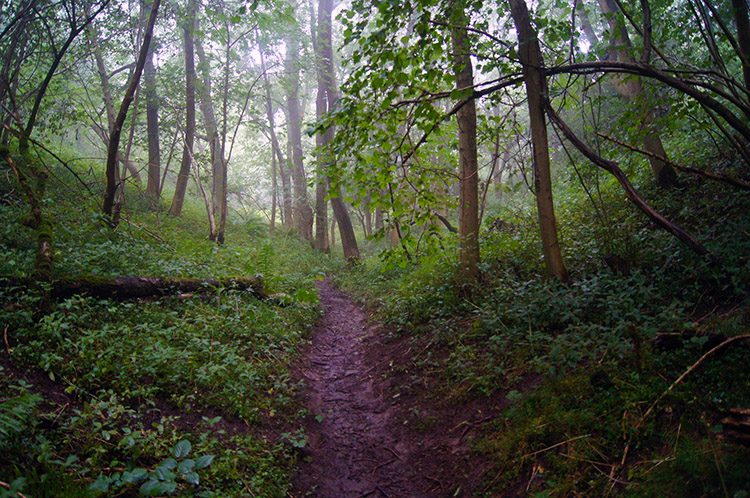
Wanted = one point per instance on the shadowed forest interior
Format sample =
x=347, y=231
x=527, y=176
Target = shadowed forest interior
x=422, y=248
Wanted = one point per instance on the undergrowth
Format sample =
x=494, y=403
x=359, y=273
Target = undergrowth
x=182, y=395
x=581, y=364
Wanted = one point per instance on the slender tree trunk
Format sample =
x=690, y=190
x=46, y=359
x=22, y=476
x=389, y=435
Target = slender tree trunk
x=114, y=139
x=468, y=227
x=190, y=77
x=303, y=214
x=152, y=127
x=274, y=187
x=368, y=217
x=631, y=88
x=287, y=217
x=536, y=90
x=218, y=192
x=35, y=195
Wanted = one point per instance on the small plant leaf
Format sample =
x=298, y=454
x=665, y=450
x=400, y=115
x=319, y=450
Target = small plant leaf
x=185, y=466
x=136, y=475
x=101, y=484
x=182, y=449
x=204, y=461
x=192, y=478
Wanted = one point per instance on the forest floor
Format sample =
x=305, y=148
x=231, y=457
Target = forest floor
x=369, y=433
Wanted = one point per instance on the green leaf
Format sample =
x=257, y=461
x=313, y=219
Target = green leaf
x=182, y=448
x=164, y=474
x=192, y=478
x=169, y=463
x=148, y=486
x=185, y=466
x=204, y=461
x=136, y=475
x=101, y=484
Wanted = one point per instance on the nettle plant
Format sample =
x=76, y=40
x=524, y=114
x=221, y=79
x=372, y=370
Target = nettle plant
x=173, y=473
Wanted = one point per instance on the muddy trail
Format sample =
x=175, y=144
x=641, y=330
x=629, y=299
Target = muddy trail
x=360, y=441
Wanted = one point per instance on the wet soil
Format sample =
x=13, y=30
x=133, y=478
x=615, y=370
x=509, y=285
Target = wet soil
x=370, y=432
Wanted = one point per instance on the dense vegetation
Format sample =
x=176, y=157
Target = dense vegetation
x=611, y=324
x=99, y=393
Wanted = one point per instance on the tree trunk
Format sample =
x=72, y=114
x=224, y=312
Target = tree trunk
x=114, y=139
x=287, y=216
x=742, y=23
x=218, y=165
x=274, y=188
x=378, y=219
x=632, y=88
x=152, y=127
x=536, y=90
x=190, y=78
x=326, y=99
x=303, y=214
x=466, y=118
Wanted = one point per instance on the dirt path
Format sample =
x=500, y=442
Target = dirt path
x=356, y=448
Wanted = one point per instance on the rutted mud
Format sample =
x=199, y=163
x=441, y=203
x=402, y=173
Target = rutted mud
x=373, y=431
x=354, y=448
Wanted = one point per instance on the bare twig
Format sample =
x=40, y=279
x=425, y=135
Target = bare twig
x=688, y=372
x=555, y=445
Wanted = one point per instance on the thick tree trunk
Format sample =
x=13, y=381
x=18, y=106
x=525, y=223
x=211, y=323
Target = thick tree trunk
x=632, y=88
x=326, y=99
x=468, y=226
x=190, y=77
x=303, y=214
x=536, y=90
x=114, y=139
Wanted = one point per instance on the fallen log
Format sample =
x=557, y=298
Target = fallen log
x=135, y=287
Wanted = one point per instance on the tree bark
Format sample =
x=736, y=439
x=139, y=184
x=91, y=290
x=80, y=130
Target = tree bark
x=632, y=88
x=466, y=118
x=190, y=77
x=303, y=214
x=536, y=91
x=152, y=127
x=742, y=23
x=274, y=188
x=114, y=139
x=218, y=165
x=326, y=99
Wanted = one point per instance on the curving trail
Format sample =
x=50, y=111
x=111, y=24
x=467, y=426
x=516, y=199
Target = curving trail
x=357, y=447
